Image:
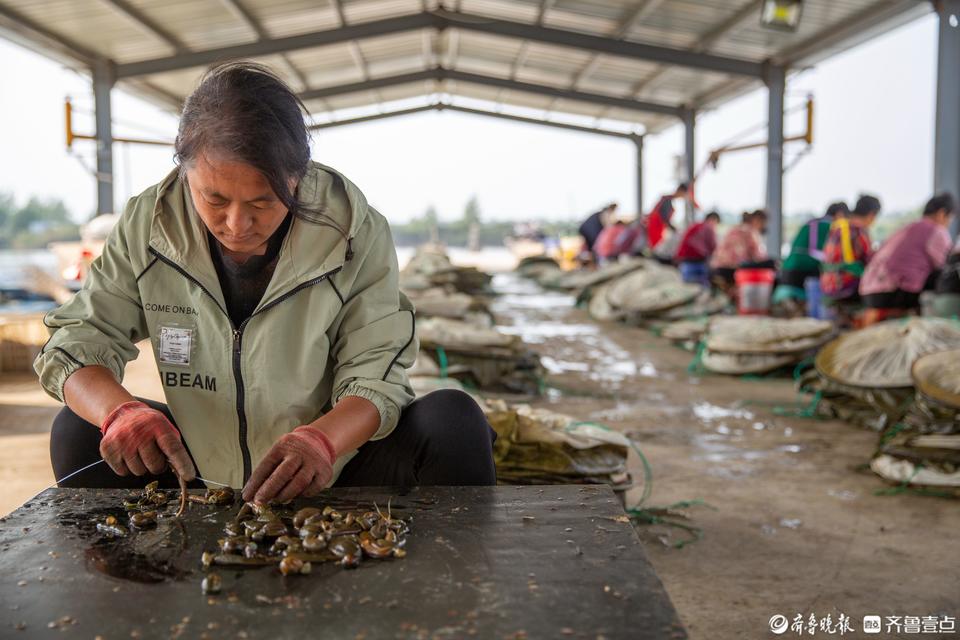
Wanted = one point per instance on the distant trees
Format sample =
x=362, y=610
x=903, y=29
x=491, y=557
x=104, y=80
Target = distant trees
x=36, y=223
x=457, y=232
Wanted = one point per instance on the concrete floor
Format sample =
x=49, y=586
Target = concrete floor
x=792, y=525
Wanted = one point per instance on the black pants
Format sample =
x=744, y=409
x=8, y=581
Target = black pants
x=900, y=299
x=797, y=277
x=442, y=438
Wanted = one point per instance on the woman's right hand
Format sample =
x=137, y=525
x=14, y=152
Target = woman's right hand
x=138, y=439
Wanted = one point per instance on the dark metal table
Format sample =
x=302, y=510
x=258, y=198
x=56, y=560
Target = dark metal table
x=487, y=562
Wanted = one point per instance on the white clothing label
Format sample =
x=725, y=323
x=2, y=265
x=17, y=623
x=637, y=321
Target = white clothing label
x=175, y=344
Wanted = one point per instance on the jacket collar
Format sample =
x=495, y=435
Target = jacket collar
x=309, y=250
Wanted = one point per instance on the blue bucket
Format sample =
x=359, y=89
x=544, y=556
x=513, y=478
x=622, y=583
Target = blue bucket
x=695, y=273
x=815, y=301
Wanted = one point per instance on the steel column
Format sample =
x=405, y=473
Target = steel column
x=689, y=158
x=103, y=79
x=946, y=163
x=776, y=84
x=638, y=142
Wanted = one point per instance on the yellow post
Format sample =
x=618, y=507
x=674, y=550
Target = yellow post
x=808, y=136
x=68, y=112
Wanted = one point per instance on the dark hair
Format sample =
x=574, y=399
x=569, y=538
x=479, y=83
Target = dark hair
x=940, y=201
x=244, y=111
x=759, y=214
x=713, y=215
x=865, y=206
x=837, y=207
x=683, y=186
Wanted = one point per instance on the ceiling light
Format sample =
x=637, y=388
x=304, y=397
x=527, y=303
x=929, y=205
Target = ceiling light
x=781, y=14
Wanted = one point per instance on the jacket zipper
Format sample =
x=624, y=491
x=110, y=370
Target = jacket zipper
x=238, y=345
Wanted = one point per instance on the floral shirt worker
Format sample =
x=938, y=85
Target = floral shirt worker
x=268, y=288
x=847, y=251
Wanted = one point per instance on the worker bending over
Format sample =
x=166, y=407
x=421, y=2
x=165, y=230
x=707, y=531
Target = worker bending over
x=910, y=261
x=268, y=289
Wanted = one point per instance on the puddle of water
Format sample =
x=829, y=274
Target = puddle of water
x=707, y=412
x=539, y=332
x=563, y=366
x=843, y=494
x=614, y=371
x=648, y=370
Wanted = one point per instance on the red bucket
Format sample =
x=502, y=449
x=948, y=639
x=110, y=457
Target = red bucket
x=754, y=290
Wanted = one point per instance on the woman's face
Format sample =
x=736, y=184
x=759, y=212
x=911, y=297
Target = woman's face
x=236, y=203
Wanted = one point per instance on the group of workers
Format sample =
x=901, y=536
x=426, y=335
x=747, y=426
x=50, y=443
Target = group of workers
x=831, y=257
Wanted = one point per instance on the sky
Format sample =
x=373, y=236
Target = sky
x=873, y=133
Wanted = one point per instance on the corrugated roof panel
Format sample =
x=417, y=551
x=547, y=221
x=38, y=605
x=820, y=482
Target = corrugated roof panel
x=681, y=86
x=94, y=25
x=553, y=78
x=282, y=18
x=199, y=24
x=520, y=10
x=558, y=60
x=483, y=66
x=366, y=10
x=487, y=47
x=398, y=44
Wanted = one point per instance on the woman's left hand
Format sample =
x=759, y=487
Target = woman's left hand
x=300, y=463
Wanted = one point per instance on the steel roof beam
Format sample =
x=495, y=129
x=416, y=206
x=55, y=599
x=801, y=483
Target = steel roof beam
x=440, y=74
x=411, y=22
x=442, y=19
x=600, y=44
x=564, y=94
x=441, y=106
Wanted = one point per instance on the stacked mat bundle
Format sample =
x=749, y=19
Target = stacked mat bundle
x=652, y=295
x=582, y=280
x=537, y=446
x=865, y=376
x=480, y=356
x=431, y=267
x=539, y=268
x=739, y=345
x=925, y=450
x=439, y=302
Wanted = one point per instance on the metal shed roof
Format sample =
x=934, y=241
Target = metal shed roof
x=635, y=65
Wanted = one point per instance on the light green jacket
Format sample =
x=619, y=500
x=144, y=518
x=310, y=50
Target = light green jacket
x=332, y=323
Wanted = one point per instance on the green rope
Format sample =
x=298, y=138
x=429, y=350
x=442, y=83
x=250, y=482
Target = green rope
x=442, y=361
x=801, y=367
x=802, y=410
x=654, y=515
x=890, y=433
x=696, y=365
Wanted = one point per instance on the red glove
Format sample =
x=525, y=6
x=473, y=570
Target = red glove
x=138, y=439
x=300, y=463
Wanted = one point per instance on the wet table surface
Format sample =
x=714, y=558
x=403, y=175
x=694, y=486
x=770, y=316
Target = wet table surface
x=486, y=562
